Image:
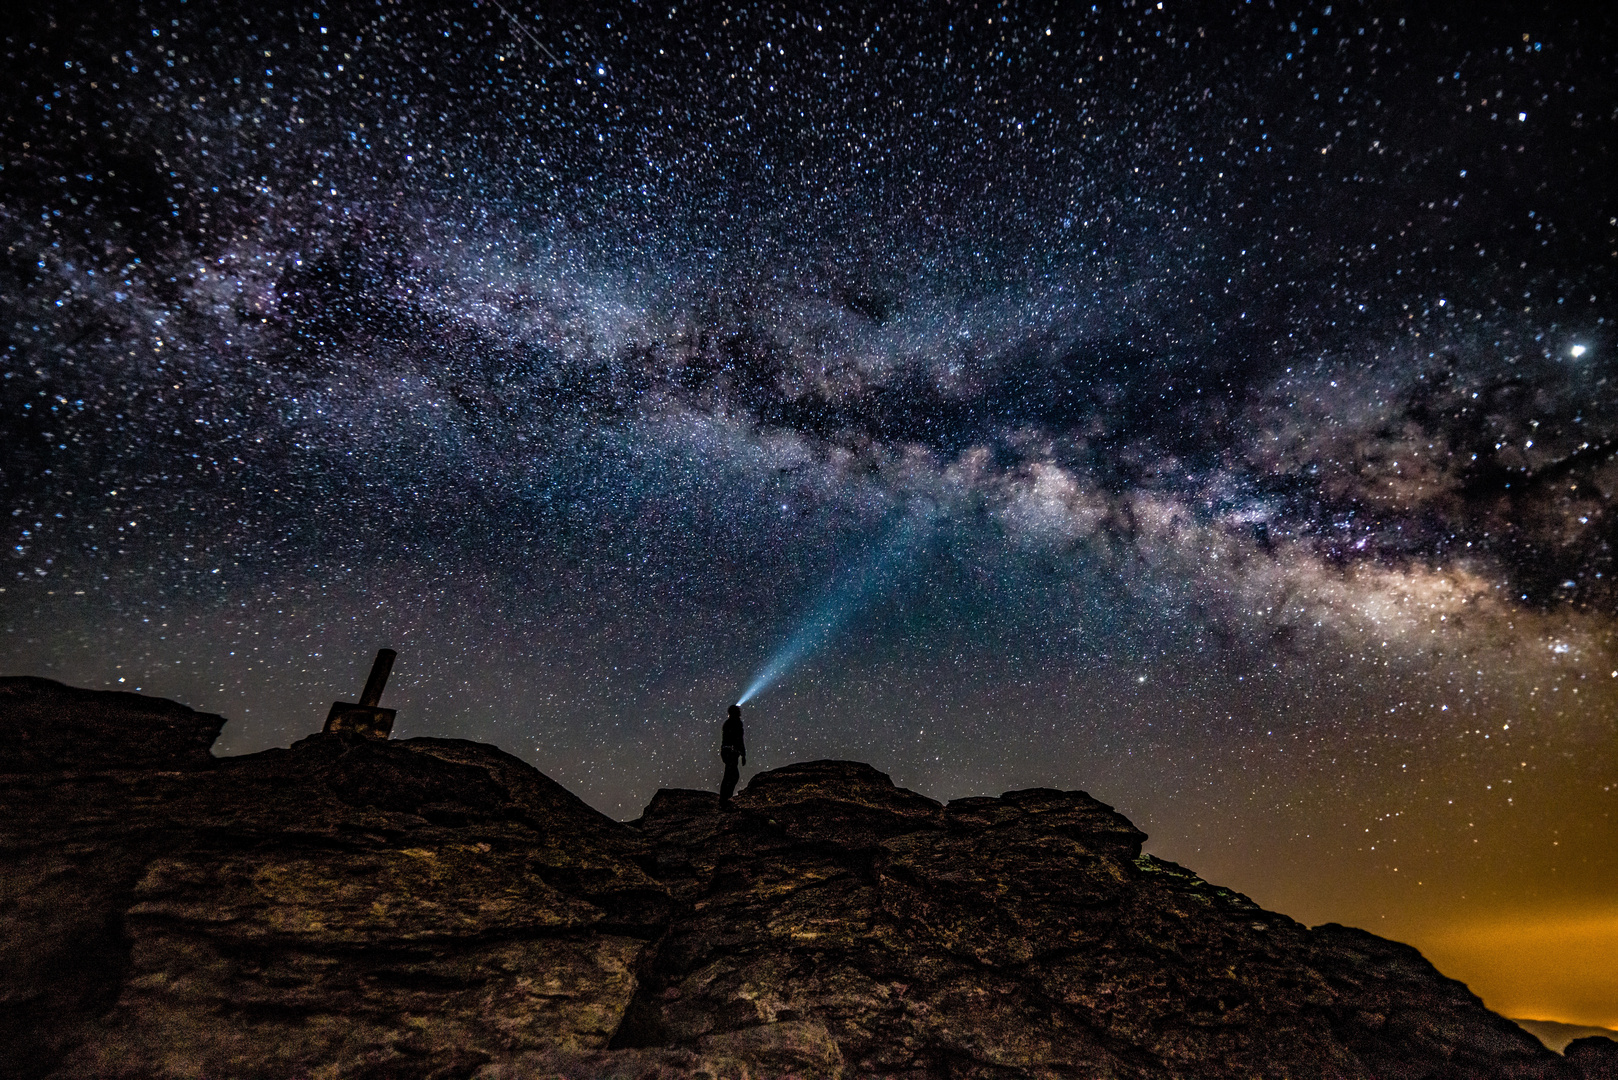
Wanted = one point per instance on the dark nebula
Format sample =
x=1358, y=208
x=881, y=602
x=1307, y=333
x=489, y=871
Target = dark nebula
x=1210, y=406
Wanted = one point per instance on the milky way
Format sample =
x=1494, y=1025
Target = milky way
x=1225, y=391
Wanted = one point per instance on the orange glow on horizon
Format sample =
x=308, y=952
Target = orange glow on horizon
x=1548, y=965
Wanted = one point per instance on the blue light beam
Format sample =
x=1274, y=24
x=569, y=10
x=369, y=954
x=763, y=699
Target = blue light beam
x=842, y=602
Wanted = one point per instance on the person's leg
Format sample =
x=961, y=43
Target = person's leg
x=728, y=786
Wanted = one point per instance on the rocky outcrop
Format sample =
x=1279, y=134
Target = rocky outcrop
x=849, y=926
x=1596, y=1056
x=46, y=727
x=343, y=907
x=437, y=908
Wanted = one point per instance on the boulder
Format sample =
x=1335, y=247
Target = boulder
x=1595, y=1055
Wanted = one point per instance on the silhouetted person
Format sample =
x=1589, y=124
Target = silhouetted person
x=731, y=747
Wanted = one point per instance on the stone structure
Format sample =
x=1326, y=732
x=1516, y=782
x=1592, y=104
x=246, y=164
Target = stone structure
x=366, y=719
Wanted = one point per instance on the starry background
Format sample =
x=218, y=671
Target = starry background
x=1211, y=406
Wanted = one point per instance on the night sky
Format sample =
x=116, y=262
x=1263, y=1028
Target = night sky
x=1210, y=406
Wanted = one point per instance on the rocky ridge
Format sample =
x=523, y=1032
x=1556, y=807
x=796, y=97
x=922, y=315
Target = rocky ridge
x=435, y=908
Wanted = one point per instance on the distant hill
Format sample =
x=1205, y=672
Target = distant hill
x=347, y=908
x=1557, y=1036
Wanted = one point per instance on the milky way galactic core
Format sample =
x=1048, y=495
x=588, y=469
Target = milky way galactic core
x=1209, y=406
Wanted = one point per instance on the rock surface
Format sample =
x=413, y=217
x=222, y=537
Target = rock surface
x=433, y=908
x=1596, y=1056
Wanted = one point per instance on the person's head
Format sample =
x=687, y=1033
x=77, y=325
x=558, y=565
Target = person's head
x=735, y=712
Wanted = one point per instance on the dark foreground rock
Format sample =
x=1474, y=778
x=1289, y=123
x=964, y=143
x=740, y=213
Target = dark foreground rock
x=1596, y=1056
x=432, y=908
